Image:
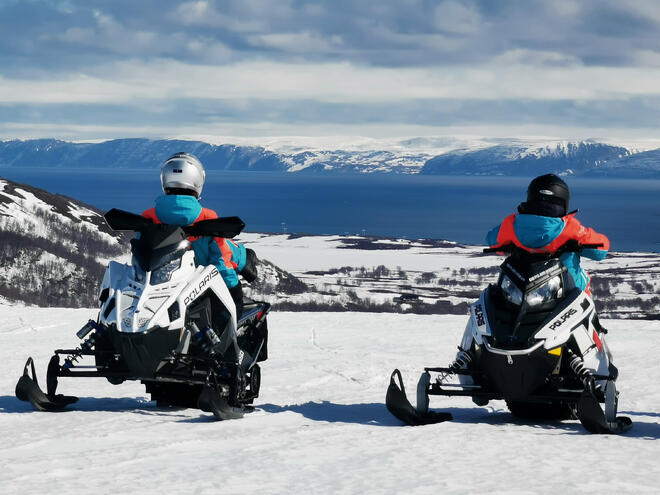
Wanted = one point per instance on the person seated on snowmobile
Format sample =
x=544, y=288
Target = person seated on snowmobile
x=182, y=177
x=543, y=224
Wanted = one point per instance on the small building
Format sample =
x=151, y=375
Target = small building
x=407, y=299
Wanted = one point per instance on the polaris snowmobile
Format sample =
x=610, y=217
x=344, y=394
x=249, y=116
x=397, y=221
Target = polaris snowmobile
x=533, y=340
x=167, y=323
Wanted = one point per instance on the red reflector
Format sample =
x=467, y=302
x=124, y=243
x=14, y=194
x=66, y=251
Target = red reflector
x=598, y=342
x=260, y=314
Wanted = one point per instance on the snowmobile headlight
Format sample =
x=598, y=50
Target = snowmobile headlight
x=547, y=292
x=511, y=291
x=164, y=273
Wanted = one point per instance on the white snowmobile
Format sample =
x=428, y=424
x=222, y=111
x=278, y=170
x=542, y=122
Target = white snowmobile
x=533, y=340
x=167, y=323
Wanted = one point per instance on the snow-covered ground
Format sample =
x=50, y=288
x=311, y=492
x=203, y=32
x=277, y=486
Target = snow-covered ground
x=321, y=252
x=626, y=285
x=321, y=425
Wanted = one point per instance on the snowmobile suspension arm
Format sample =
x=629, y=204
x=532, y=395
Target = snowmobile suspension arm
x=435, y=389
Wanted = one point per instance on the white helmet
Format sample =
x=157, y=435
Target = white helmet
x=183, y=171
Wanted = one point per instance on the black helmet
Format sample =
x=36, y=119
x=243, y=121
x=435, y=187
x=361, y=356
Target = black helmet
x=547, y=195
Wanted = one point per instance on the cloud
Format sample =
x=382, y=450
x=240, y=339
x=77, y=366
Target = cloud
x=456, y=17
x=134, y=80
x=382, y=33
x=352, y=63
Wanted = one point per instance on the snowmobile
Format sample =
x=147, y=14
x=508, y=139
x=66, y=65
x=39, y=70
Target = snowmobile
x=532, y=339
x=167, y=323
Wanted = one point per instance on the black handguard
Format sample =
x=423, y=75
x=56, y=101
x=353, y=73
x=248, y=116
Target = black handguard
x=249, y=271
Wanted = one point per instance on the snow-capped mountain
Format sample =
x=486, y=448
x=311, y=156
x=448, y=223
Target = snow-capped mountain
x=446, y=156
x=570, y=158
x=132, y=153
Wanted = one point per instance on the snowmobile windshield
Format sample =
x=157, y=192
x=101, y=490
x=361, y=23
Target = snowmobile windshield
x=532, y=283
x=527, y=293
x=171, y=263
x=158, y=246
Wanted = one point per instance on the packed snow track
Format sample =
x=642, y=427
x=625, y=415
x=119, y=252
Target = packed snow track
x=321, y=425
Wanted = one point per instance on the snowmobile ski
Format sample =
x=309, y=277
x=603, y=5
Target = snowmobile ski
x=28, y=390
x=397, y=403
x=593, y=418
x=210, y=401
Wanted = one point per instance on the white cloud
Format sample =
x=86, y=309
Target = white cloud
x=330, y=136
x=134, y=80
x=300, y=42
x=204, y=14
x=456, y=17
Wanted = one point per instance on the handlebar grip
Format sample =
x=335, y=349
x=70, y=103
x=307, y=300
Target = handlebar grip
x=591, y=246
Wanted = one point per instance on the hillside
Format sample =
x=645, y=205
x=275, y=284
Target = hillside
x=54, y=248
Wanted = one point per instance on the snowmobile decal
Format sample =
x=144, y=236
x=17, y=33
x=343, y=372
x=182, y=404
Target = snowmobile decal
x=479, y=315
x=478, y=318
x=562, y=319
x=196, y=291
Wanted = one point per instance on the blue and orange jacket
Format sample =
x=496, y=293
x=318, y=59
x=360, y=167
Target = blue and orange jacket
x=536, y=233
x=227, y=255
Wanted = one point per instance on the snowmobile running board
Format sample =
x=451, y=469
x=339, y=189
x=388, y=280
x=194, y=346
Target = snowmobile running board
x=397, y=403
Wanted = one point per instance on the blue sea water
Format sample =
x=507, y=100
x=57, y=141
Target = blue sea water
x=457, y=208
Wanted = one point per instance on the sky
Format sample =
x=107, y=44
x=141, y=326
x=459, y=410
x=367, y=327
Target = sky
x=94, y=70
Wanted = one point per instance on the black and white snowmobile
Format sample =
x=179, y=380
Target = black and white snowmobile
x=167, y=323
x=533, y=340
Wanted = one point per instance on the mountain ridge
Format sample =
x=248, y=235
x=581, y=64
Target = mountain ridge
x=513, y=157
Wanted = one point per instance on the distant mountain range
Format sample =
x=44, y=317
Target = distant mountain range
x=495, y=157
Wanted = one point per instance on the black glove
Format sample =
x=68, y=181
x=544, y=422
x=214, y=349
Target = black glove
x=249, y=271
x=237, y=296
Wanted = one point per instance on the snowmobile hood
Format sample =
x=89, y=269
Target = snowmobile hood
x=177, y=209
x=536, y=231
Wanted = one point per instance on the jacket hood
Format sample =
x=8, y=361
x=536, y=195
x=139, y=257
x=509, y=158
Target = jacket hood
x=536, y=231
x=177, y=210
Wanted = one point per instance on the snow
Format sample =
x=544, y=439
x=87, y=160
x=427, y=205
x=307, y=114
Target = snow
x=322, y=252
x=321, y=425
x=24, y=212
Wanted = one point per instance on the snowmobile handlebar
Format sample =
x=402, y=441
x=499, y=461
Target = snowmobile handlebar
x=216, y=227
x=570, y=246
